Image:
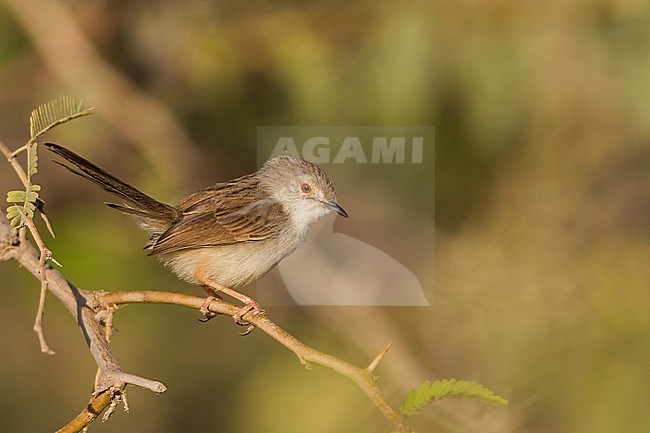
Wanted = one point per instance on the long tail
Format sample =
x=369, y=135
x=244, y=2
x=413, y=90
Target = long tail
x=140, y=204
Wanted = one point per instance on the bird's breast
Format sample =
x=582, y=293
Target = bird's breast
x=233, y=265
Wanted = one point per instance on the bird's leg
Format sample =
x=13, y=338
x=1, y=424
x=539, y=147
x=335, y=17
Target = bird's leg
x=205, y=308
x=250, y=304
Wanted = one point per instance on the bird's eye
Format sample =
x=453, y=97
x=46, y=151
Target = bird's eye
x=305, y=188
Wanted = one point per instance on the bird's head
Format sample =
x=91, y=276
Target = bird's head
x=303, y=189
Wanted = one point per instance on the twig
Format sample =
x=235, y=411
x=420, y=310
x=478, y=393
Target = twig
x=81, y=308
x=108, y=332
x=14, y=163
x=45, y=255
x=363, y=377
x=22, y=148
x=11, y=159
x=95, y=407
x=14, y=245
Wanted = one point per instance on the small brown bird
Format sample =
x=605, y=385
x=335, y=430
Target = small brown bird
x=231, y=233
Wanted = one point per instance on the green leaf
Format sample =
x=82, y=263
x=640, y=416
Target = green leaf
x=30, y=207
x=12, y=212
x=27, y=198
x=441, y=389
x=15, y=222
x=16, y=196
x=31, y=197
x=54, y=113
x=32, y=161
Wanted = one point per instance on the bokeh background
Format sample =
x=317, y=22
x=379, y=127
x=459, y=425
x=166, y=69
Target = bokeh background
x=539, y=276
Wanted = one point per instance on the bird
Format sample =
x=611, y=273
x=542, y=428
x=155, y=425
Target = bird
x=228, y=234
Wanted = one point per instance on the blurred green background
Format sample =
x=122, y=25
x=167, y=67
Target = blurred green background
x=539, y=279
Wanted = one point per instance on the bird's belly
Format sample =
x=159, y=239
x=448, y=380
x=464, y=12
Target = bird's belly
x=230, y=265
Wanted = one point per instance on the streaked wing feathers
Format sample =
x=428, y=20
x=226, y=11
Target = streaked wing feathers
x=212, y=218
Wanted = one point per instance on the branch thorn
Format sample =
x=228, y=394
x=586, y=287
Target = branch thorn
x=375, y=362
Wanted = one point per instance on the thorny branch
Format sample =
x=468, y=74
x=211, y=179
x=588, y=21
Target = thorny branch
x=85, y=306
x=13, y=245
x=45, y=253
x=363, y=377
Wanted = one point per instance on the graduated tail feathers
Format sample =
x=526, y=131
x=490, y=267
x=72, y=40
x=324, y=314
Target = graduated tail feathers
x=140, y=204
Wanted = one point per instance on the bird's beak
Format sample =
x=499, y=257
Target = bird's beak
x=332, y=205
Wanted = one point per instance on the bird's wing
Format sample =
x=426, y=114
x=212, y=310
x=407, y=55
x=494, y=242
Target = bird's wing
x=211, y=218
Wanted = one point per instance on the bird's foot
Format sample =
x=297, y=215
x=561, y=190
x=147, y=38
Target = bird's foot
x=205, y=309
x=251, y=306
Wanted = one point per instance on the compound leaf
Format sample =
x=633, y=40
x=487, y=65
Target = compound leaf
x=429, y=392
x=32, y=160
x=53, y=113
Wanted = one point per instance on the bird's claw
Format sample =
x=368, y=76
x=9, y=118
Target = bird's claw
x=205, y=310
x=247, y=331
x=251, y=307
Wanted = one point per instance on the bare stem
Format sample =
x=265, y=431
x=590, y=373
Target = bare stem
x=14, y=163
x=363, y=377
x=45, y=255
x=38, y=322
x=21, y=149
x=95, y=407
